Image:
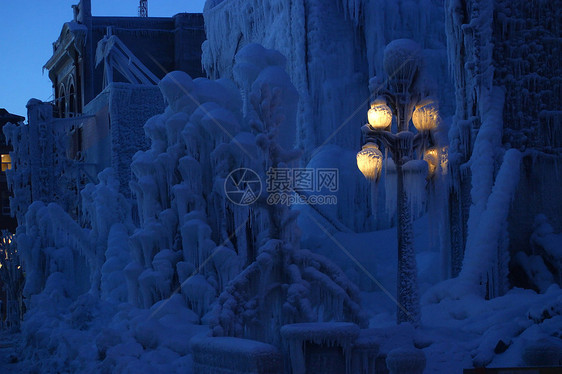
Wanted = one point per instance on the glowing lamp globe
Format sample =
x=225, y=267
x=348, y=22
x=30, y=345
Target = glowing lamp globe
x=426, y=116
x=369, y=161
x=379, y=116
x=431, y=156
x=401, y=60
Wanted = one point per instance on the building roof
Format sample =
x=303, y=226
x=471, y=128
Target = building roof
x=72, y=32
x=6, y=117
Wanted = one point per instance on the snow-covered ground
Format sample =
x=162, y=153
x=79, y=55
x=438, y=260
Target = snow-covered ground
x=86, y=335
x=461, y=332
x=9, y=359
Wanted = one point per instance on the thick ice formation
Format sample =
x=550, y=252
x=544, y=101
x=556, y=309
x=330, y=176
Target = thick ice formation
x=284, y=285
x=40, y=157
x=337, y=334
x=181, y=237
x=333, y=48
x=487, y=256
x=214, y=355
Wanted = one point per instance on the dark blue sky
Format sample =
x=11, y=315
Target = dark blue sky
x=29, y=27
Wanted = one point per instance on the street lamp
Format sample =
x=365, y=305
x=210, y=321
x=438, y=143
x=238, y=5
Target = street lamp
x=369, y=161
x=402, y=100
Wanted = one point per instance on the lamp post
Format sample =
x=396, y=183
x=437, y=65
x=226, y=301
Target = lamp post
x=405, y=103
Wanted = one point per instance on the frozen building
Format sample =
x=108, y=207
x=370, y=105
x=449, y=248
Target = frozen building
x=104, y=71
x=160, y=44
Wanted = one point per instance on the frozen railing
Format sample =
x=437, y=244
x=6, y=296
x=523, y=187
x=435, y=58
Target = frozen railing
x=115, y=55
x=229, y=355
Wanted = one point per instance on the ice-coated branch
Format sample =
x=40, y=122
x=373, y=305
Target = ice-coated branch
x=289, y=286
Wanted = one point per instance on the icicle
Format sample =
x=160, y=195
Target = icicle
x=415, y=173
x=374, y=200
x=390, y=188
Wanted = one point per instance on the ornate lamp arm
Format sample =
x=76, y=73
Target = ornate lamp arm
x=400, y=145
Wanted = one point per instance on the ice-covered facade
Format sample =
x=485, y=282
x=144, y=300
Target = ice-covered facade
x=333, y=48
x=104, y=71
x=499, y=78
x=501, y=57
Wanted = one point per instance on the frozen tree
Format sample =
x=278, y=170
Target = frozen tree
x=53, y=245
x=12, y=278
x=179, y=201
x=103, y=207
x=285, y=284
